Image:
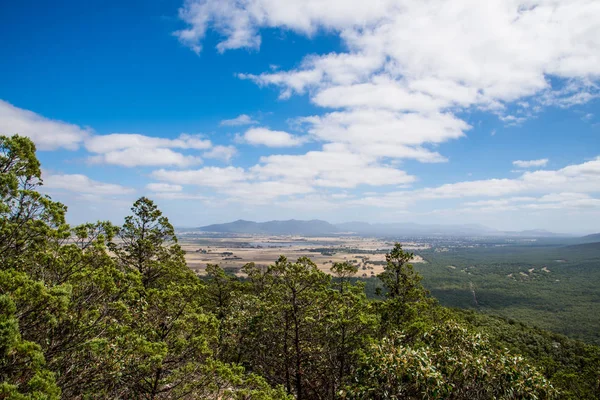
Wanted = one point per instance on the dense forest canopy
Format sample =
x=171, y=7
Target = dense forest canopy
x=105, y=311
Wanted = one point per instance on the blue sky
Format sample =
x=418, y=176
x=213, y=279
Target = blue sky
x=391, y=110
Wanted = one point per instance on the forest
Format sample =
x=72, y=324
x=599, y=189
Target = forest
x=551, y=286
x=101, y=311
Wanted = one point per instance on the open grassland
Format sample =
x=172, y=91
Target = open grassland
x=231, y=253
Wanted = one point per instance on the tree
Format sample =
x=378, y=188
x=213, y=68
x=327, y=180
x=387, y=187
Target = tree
x=405, y=295
x=28, y=219
x=350, y=325
x=148, y=244
x=23, y=372
x=220, y=289
x=293, y=326
x=99, y=311
x=446, y=362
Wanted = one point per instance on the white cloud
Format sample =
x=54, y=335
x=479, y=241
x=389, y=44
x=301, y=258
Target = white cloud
x=499, y=202
x=79, y=183
x=531, y=163
x=334, y=68
x=240, y=120
x=386, y=133
x=128, y=150
x=179, y=196
x=119, y=141
x=503, y=48
x=207, y=176
x=418, y=63
x=579, y=178
x=46, y=133
x=145, y=156
x=224, y=153
x=553, y=201
x=583, y=177
x=269, y=138
x=335, y=166
x=132, y=150
x=164, y=187
x=260, y=192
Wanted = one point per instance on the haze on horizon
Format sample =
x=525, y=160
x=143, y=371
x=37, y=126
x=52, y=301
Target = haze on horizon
x=435, y=112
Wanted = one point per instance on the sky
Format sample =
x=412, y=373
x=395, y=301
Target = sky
x=428, y=111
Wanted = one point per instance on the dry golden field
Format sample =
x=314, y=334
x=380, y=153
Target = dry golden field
x=232, y=253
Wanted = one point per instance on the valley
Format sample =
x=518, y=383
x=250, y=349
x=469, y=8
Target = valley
x=549, y=282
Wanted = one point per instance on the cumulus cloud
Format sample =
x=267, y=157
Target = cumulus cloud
x=276, y=176
x=552, y=201
x=146, y=156
x=120, y=141
x=581, y=179
x=412, y=66
x=163, y=187
x=132, y=150
x=386, y=133
x=47, y=134
x=531, y=163
x=79, y=183
x=123, y=149
x=179, y=196
x=335, y=166
x=263, y=191
x=240, y=120
x=207, y=176
x=223, y=153
x=502, y=48
x=270, y=138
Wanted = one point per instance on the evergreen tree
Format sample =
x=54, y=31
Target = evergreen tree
x=406, y=297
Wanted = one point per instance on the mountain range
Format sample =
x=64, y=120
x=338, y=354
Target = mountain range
x=322, y=228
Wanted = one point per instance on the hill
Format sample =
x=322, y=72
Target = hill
x=401, y=229
x=587, y=247
x=318, y=227
x=289, y=227
x=412, y=229
x=593, y=238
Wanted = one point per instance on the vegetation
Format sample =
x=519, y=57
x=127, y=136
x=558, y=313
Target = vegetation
x=551, y=286
x=100, y=311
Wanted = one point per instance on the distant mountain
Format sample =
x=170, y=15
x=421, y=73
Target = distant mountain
x=239, y=226
x=592, y=246
x=595, y=237
x=412, y=229
x=290, y=227
x=317, y=227
x=536, y=233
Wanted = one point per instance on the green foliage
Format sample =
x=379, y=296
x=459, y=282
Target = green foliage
x=23, y=371
x=572, y=366
x=148, y=245
x=565, y=299
x=406, y=298
x=28, y=219
x=446, y=362
x=98, y=311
